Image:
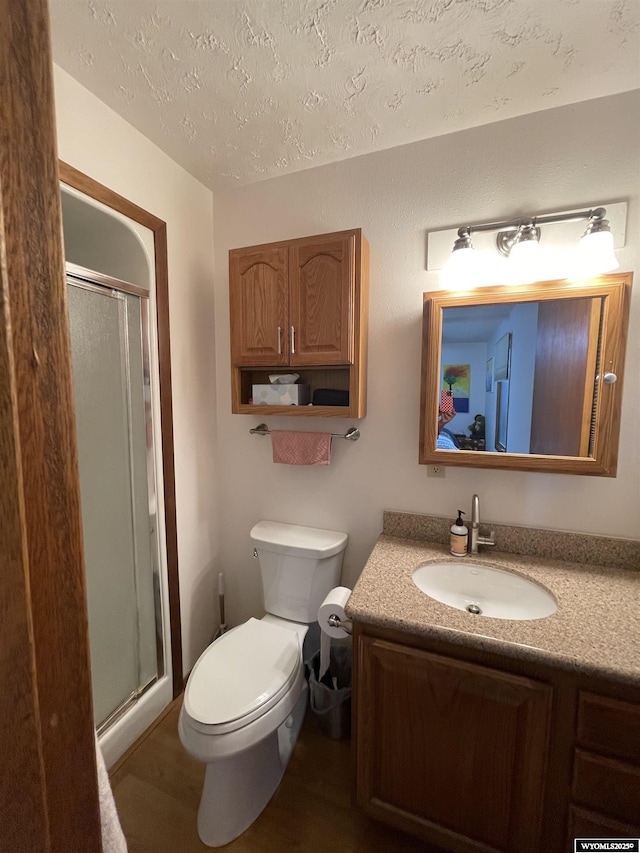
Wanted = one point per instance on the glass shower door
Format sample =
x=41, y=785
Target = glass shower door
x=116, y=470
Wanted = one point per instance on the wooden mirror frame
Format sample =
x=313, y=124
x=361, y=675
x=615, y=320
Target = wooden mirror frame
x=615, y=290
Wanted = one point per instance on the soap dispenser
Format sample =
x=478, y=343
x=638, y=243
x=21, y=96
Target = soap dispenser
x=459, y=538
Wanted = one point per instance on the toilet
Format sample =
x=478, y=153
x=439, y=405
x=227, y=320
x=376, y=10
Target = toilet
x=246, y=696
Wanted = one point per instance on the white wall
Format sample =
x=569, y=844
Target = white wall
x=524, y=326
x=93, y=139
x=560, y=159
x=225, y=479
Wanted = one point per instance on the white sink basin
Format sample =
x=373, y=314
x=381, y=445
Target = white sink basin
x=484, y=591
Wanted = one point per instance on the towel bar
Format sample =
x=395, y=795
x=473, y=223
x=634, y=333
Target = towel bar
x=351, y=434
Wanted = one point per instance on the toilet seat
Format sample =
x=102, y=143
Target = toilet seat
x=240, y=676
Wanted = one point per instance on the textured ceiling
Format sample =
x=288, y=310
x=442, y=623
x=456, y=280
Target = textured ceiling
x=238, y=91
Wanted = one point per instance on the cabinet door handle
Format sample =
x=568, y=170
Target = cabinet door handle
x=293, y=340
x=279, y=340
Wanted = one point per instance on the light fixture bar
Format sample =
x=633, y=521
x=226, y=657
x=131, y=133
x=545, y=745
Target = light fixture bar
x=519, y=240
x=559, y=229
x=597, y=213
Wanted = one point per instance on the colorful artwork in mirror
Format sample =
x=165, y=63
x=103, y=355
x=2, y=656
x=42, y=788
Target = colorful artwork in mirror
x=456, y=379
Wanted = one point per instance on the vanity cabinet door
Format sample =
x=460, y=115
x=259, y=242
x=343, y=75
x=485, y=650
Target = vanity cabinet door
x=322, y=287
x=450, y=750
x=258, y=304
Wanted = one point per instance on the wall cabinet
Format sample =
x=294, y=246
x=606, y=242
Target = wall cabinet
x=301, y=305
x=476, y=752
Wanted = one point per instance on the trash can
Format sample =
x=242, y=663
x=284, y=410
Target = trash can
x=330, y=698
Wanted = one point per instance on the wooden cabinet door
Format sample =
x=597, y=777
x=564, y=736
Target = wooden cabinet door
x=449, y=750
x=321, y=301
x=565, y=369
x=258, y=305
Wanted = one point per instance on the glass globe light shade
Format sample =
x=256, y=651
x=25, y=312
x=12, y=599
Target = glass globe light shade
x=524, y=259
x=461, y=268
x=596, y=253
x=524, y=251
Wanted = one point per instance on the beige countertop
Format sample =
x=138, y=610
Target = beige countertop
x=595, y=630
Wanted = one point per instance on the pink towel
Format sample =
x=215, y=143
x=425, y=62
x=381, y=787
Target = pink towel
x=301, y=448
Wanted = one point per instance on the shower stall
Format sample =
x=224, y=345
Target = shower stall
x=110, y=286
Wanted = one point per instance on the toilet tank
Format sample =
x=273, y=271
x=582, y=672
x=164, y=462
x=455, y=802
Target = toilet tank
x=299, y=565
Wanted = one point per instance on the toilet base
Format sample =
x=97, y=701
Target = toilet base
x=237, y=789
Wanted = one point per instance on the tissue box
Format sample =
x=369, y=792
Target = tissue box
x=280, y=395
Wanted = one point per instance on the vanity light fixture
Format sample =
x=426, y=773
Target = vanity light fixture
x=463, y=257
x=519, y=240
x=596, y=245
x=520, y=244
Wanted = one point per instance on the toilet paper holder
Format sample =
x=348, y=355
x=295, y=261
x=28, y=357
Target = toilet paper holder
x=334, y=621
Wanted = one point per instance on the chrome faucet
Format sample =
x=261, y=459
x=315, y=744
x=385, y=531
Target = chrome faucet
x=476, y=539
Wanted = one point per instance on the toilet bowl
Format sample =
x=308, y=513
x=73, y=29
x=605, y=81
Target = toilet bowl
x=246, y=696
x=243, y=708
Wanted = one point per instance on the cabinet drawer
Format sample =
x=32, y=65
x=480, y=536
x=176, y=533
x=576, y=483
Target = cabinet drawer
x=609, y=726
x=586, y=824
x=607, y=785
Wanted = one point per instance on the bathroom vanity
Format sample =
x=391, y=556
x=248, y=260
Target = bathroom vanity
x=482, y=734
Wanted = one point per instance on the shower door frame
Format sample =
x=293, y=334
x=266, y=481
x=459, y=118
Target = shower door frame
x=83, y=183
x=112, y=288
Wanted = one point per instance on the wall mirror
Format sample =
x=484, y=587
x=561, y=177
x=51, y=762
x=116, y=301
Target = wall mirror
x=527, y=377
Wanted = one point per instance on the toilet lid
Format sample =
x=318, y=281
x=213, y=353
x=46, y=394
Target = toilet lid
x=243, y=673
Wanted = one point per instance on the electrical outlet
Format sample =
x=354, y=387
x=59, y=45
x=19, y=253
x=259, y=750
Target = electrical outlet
x=436, y=471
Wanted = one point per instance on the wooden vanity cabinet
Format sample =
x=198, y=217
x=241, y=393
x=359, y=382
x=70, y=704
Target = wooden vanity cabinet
x=450, y=750
x=474, y=751
x=301, y=305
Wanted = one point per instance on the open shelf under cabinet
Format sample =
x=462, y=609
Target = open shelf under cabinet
x=336, y=378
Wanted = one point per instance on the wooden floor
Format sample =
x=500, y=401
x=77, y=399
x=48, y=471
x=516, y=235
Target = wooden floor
x=157, y=791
